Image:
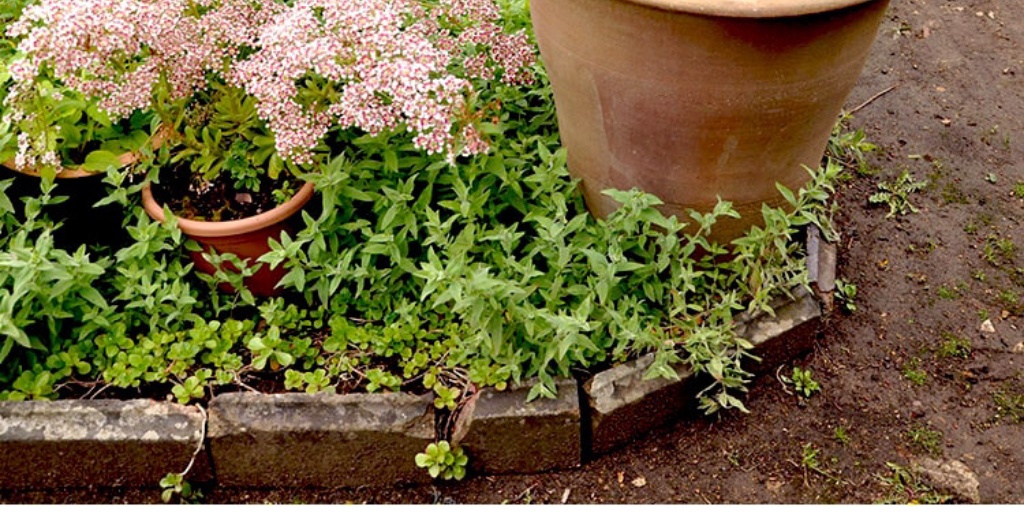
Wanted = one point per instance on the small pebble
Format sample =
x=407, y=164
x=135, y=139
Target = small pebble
x=987, y=326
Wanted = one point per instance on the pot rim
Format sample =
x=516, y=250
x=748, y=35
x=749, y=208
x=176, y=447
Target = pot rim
x=750, y=8
x=126, y=159
x=200, y=228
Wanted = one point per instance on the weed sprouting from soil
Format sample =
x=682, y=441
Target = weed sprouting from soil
x=897, y=194
x=954, y=346
x=1009, y=404
x=924, y=440
x=904, y=487
x=841, y=435
x=912, y=371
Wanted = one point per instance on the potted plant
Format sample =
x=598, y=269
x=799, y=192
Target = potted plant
x=252, y=90
x=699, y=99
x=49, y=131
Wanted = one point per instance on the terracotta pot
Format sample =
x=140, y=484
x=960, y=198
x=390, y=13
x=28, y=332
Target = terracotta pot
x=246, y=238
x=698, y=99
x=125, y=159
x=82, y=222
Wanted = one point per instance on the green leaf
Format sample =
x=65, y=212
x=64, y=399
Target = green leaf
x=786, y=193
x=97, y=115
x=101, y=160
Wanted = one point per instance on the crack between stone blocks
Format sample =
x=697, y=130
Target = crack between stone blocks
x=586, y=427
x=452, y=425
x=201, y=444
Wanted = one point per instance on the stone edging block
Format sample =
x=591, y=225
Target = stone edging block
x=507, y=434
x=104, y=443
x=300, y=440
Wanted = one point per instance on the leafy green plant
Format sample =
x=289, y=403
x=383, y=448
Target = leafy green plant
x=441, y=460
x=912, y=371
x=925, y=440
x=43, y=288
x=846, y=294
x=850, y=147
x=954, y=346
x=803, y=381
x=193, y=387
x=957, y=291
x=1009, y=404
x=841, y=435
x=897, y=194
x=174, y=486
x=809, y=457
x=446, y=397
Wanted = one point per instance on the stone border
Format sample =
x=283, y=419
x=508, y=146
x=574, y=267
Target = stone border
x=81, y=443
x=302, y=440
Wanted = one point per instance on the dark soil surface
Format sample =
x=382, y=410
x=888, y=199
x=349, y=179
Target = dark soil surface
x=909, y=373
x=191, y=197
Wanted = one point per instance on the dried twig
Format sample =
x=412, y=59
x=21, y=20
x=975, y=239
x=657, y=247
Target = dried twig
x=871, y=99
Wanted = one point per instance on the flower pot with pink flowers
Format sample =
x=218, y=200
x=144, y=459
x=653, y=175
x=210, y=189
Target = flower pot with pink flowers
x=253, y=95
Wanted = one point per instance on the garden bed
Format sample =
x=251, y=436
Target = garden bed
x=442, y=296
x=354, y=440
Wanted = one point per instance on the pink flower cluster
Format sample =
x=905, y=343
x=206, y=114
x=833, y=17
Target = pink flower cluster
x=391, y=63
x=391, y=60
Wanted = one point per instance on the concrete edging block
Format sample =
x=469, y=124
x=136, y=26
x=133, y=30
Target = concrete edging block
x=507, y=434
x=103, y=443
x=322, y=440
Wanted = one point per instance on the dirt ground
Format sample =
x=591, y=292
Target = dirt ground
x=909, y=373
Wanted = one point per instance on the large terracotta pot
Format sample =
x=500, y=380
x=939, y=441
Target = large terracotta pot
x=698, y=99
x=246, y=238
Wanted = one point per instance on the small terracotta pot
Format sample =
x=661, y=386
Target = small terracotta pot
x=698, y=99
x=246, y=238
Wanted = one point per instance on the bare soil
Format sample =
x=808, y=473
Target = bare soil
x=898, y=379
